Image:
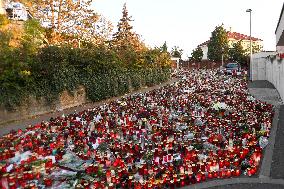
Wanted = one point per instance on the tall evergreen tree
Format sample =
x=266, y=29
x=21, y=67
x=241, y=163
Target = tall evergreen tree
x=164, y=47
x=218, y=44
x=125, y=37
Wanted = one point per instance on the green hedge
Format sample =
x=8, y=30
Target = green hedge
x=56, y=69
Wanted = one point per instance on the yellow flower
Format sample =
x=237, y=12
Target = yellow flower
x=25, y=72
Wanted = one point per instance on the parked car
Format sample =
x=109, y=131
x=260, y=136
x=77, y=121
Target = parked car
x=232, y=67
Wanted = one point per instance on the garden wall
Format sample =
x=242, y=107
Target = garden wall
x=270, y=68
x=33, y=107
x=96, y=88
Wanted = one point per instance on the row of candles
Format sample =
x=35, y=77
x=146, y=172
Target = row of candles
x=130, y=136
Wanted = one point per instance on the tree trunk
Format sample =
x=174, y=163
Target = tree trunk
x=59, y=17
x=52, y=15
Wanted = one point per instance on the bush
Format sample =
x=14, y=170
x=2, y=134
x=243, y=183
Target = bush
x=4, y=20
x=55, y=69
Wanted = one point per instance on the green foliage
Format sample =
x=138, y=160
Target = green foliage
x=255, y=49
x=36, y=69
x=164, y=47
x=33, y=37
x=5, y=38
x=55, y=69
x=13, y=79
x=126, y=42
x=3, y=20
x=176, y=52
x=197, y=54
x=218, y=44
x=237, y=53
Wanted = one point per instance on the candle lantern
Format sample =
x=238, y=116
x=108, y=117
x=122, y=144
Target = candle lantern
x=47, y=182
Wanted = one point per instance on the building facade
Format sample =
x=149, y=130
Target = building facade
x=14, y=10
x=17, y=11
x=234, y=37
x=270, y=65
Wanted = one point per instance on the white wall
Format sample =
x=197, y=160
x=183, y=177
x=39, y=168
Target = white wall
x=205, y=52
x=270, y=68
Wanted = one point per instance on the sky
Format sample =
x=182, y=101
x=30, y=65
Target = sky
x=188, y=23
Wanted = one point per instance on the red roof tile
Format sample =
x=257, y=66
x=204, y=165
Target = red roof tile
x=239, y=36
x=236, y=36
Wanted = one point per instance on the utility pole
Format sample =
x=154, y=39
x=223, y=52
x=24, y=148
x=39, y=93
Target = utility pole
x=250, y=62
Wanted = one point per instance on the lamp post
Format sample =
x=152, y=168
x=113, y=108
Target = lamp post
x=222, y=57
x=250, y=64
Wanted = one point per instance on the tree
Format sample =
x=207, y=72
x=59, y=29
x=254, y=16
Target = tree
x=126, y=42
x=164, y=47
x=156, y=58
x=237, y=53
x=33, y=37
x=197, y=54
x=218, y=44
x=69, y=19
x=255, y=49
x=176, y=52
x=125, y=37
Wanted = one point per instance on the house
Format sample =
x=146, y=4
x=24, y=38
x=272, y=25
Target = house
x=234, y=37
x=14, y=10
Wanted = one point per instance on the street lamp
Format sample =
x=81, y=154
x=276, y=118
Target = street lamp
x=222, y=57
x=250, y=64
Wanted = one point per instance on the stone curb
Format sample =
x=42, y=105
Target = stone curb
x=267, y=159
x=223, y=182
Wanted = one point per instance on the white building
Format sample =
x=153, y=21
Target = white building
x=17, y=11
x=270, y=66
x=234, y=37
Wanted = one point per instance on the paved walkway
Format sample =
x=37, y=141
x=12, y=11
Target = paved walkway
x=278, y=153
x=265, y=91
x=271, y=174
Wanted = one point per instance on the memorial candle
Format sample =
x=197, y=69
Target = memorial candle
x=47, y=182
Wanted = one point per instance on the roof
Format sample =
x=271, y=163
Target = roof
x=279, y=18
x=205, y=43
x=239, y=36
x=236, y=36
